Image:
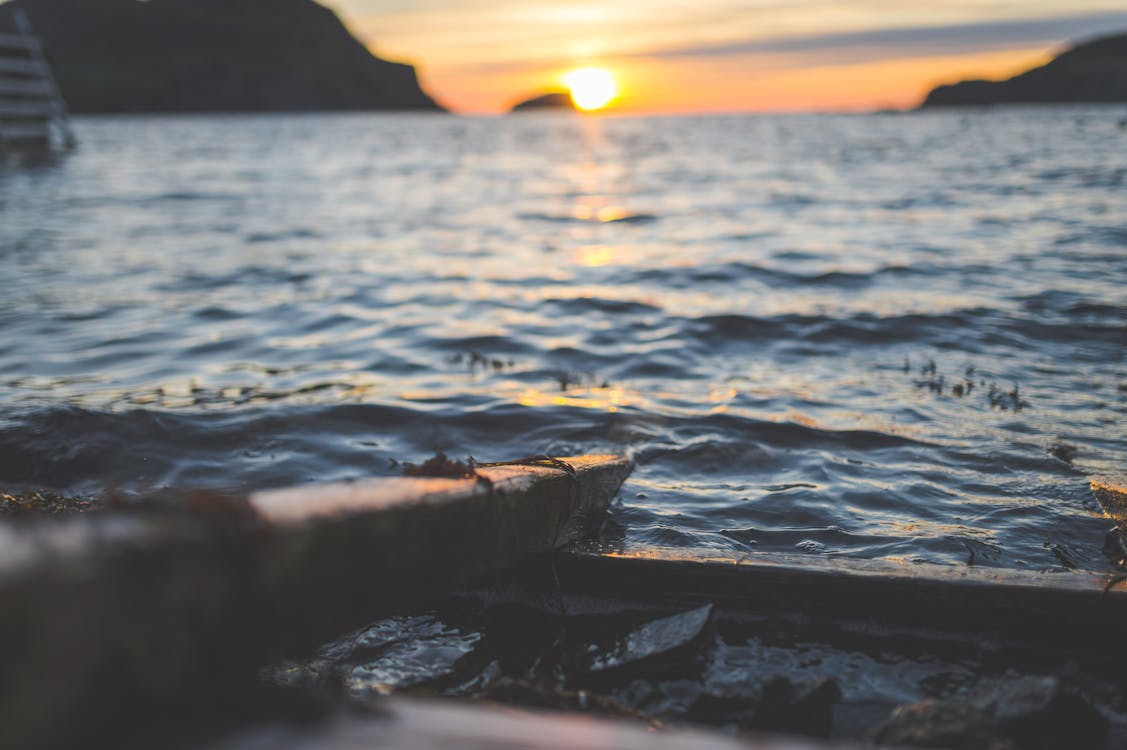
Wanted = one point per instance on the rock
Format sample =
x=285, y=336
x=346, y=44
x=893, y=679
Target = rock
x=661, y=645
x=1018, y=700
x=554, y=100
x=940, y=723
x=520, y=637
x=1026, y=713
x=806, y=708
x=392, y=654
x=1092, y=72
x=213, y=56
x=1042, y=713
x=710, y=708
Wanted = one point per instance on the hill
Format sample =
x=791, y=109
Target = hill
x=1091, y=72
x=213, y=55
x=553, y=100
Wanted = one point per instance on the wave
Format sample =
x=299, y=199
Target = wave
x=605, y=217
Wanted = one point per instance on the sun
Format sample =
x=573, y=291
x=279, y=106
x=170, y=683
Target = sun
x=591, y=88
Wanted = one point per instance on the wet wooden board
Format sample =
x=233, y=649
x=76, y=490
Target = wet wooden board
x=334, y=553
x=111, y=620
x=1065, y=610
x=413, y=724
x=116, y=618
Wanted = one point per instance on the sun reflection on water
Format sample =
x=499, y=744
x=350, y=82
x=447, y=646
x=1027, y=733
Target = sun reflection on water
x=594, y=256
x=608, y=399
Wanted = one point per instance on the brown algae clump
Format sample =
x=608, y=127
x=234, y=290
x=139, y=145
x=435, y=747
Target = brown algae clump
x=38, y=503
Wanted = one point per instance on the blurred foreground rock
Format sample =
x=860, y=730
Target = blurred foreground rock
x=1023, y=713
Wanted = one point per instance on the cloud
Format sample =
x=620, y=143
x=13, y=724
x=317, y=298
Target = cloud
x=914, y=41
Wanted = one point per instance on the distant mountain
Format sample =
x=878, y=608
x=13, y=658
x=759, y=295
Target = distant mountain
x=212, y=56
x=554, y=100
x=1092, y=72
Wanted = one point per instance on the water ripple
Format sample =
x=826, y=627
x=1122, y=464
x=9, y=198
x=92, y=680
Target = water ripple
x=805, y=345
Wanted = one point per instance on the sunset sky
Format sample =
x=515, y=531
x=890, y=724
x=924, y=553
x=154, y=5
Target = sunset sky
x=479, y=56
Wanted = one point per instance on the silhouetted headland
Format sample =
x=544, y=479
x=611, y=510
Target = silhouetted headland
x=554, y=100
x=1091, y=72
x=214, y=56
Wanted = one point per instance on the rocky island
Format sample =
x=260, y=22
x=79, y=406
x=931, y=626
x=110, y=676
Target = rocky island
x=1091, y=72
x=214, y=56
x=553, y=100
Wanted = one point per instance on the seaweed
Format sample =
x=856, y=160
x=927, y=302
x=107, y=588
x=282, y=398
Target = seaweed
x=578, y=380
x=476, y=361
x=40, y=503
x=440, y=466
x=1063, y=451
x=1000, y=399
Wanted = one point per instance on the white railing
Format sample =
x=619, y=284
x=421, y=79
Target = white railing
x=30, y=87
x=19, y=65
x=32, y=110
x=14, y=41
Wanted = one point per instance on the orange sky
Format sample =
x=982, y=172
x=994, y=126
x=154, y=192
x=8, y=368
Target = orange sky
x=481, y=56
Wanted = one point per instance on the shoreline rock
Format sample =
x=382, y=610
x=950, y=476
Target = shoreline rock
x=1092, y=72
x=214, y=56
x=556, y=100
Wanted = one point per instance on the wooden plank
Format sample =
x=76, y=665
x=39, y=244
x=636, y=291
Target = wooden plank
x=22, y=87
x=1065, y=610
x=392, y=538
x=15, y=108
x=19, y=66
x=421, y=724
x=115, y=619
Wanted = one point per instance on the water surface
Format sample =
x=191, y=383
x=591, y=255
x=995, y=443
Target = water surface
x=880, y=336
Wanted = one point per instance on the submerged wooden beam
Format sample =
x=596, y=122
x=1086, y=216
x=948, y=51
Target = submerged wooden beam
x=118, y=619
x=1070, y=611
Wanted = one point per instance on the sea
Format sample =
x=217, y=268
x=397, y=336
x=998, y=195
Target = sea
x=899, y=336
